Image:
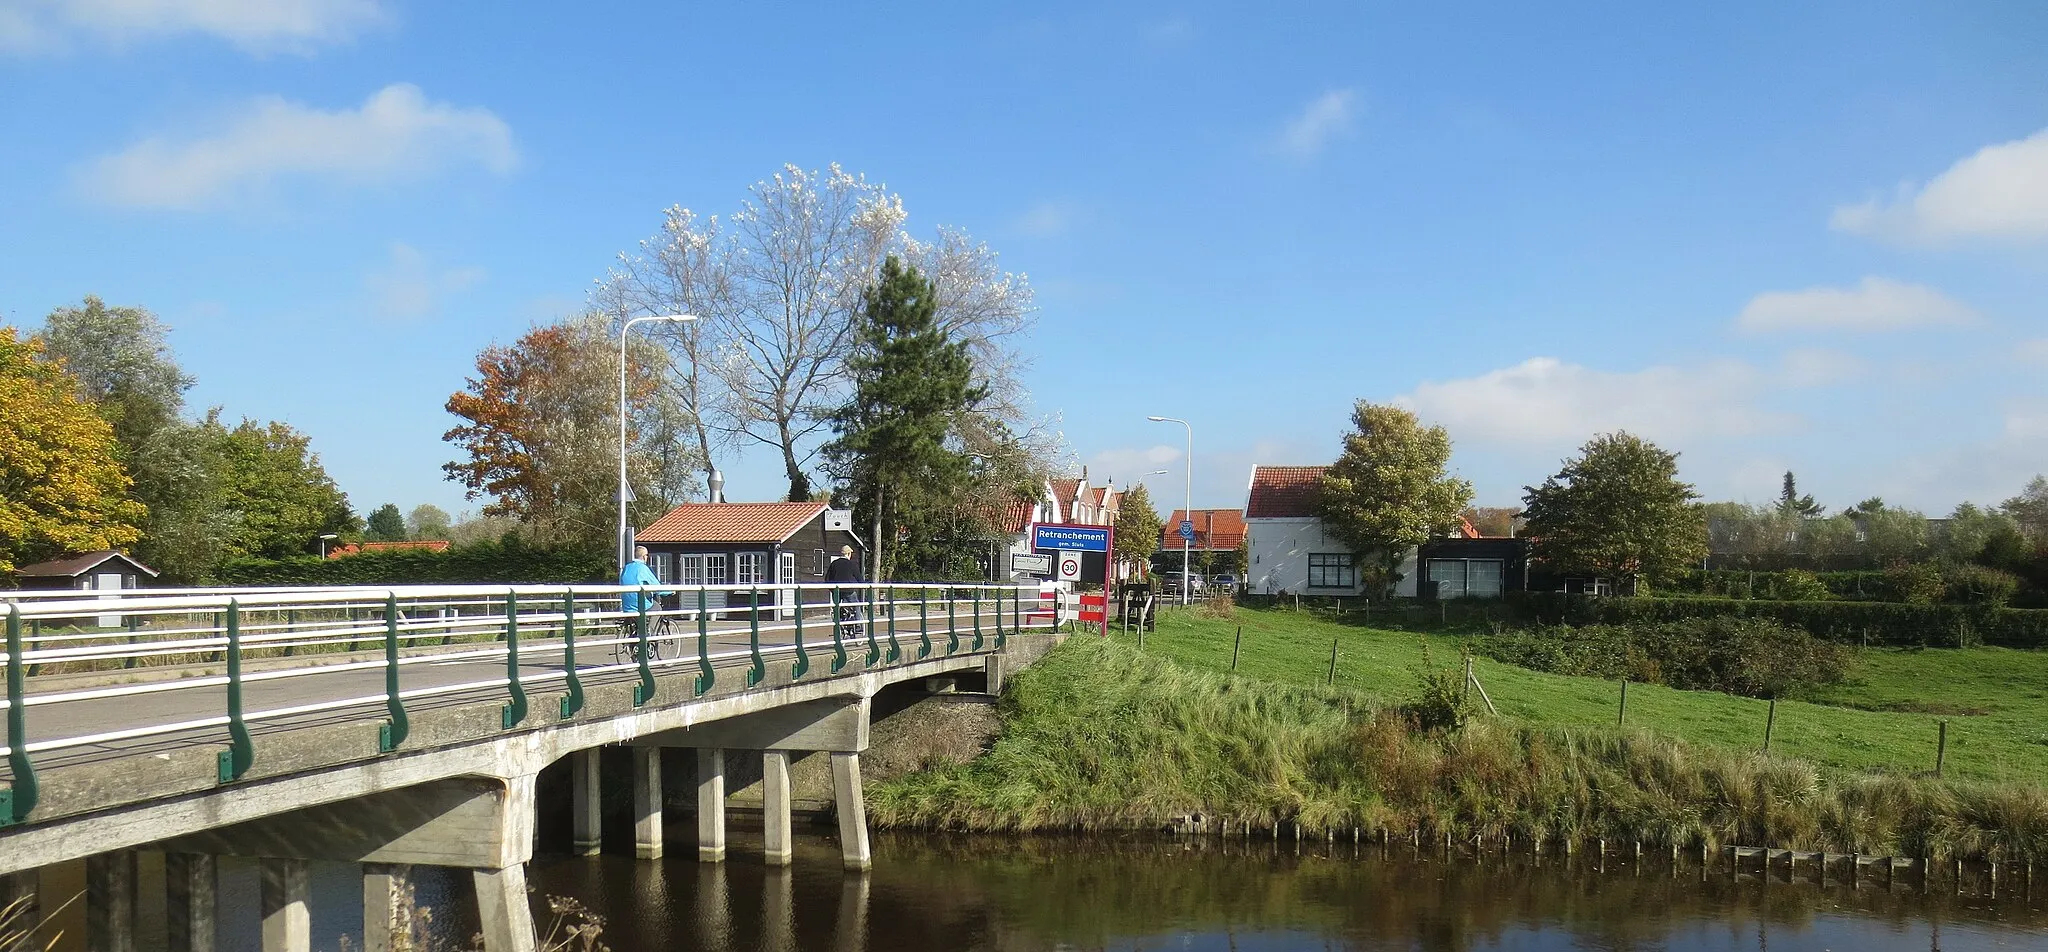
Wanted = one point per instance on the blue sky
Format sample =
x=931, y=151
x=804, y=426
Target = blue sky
x=1769, y=238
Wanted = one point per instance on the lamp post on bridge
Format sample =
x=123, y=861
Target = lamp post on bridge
x=625, y=548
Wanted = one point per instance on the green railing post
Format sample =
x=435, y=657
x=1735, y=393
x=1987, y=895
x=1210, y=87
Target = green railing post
x=644, y=691
x=705, y=676
x=999, y=620
x=17, y=801
x=514, y=712
x=895, y=647
x=803, y=657
x=952, y=624
x=759, y=669
x=874, y=650
x=573, y=702
x=977, y=621
x=241, y=752
x=838, y=636
x=392, y=732
x=924, y=628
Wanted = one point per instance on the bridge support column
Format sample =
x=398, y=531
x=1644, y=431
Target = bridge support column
x=852, y=810
x=110, y=902
x=776, y=843
x=191, y=901
x=502, y=909
x=647, y=802
x=286, y=891
x=585, y=788
x=386, y=916
x=710, y=805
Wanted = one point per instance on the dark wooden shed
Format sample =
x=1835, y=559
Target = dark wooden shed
x=747, y=543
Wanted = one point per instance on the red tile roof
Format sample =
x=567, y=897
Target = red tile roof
x=1065, y=491
x=1284, y=492
x=357, y=548
x=1011, y=518
x=732, y=522
x=1219, y=529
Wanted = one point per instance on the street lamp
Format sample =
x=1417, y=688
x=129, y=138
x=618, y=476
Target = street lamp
x=323, y=543
x=1187, y=558
x=625, y=552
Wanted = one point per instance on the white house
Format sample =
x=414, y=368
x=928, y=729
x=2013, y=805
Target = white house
x=1290, y=552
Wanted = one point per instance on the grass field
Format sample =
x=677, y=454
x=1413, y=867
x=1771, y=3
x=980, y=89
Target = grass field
x=1885, y=719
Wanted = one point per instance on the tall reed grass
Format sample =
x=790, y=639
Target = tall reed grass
x=1099, y=736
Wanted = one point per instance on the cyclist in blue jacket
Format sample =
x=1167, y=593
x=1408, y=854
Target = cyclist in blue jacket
x=637, y=573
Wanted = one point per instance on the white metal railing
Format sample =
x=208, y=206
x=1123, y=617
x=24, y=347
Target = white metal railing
x=441, y=639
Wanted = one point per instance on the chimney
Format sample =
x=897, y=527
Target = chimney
x=716, y=484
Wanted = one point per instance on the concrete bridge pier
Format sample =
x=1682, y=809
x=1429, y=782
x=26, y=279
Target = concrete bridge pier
x=837, y=725
x=191, y=901
x=110, y=894
x=21, y=888
x=285, y=898
x=387, y=911
x=647, y=802
x=585, y=788
x=710, y=805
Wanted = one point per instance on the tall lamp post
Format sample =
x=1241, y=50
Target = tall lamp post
x=1187, y=559
x=323, y=542
x=625, y=551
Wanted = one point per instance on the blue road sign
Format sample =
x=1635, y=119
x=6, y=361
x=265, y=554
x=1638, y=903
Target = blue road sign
x=1070, y=538
x=1187, y=529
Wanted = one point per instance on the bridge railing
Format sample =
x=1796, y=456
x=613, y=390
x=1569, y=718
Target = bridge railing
x=259, y=657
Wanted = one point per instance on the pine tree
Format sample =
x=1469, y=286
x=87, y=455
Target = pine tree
x=891, y=455
x=385, y=524
x=1793, y=504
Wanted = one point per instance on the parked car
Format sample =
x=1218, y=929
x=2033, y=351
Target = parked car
x=1171, y=583
x=1225, y=584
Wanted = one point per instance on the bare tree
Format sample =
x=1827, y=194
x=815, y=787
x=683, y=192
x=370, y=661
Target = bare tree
x=776, y=289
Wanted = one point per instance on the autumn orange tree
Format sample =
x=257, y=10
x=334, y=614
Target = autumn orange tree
x=540, y=431
x=61, y=487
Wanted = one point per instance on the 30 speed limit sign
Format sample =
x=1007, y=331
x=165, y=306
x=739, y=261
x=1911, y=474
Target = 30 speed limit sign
x=1070, y=566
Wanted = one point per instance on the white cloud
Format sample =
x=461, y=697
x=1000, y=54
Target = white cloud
x=2033, y=351
x=1819, y=368
x=2001, y=192
x=397, y=134
x=1877, y=304
x=256, y=26
x=1545, y=401
x=1131, y=464
x=1327, y=117
x=409, y=288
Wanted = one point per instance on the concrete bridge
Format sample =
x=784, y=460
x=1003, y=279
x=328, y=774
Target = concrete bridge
x=407, y=726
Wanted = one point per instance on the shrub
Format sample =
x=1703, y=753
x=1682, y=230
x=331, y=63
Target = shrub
x=1844, y=622
x=507, y=562
x=1916, y=583
x=1442, y=704
x=1800, y=585
x=1980, y=585
x=1755, y=657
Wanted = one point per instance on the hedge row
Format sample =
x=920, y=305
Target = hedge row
x=1872, y=623
x=1958, y=584
x=483, y=563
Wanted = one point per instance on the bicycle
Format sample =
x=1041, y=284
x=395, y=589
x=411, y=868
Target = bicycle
x=659, y=633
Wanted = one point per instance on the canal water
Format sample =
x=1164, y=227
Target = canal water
x=1019, y=894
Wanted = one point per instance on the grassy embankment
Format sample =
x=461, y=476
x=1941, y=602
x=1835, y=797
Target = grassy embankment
x=1103, y=736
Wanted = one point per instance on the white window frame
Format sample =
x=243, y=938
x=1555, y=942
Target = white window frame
x=717, y=568
x=689, y=569
x=748, y=568
x=663, y=565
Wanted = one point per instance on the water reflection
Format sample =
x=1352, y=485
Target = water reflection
x=988, y=893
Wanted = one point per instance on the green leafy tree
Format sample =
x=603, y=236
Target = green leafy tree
x=1792, y=503
x=428, y=521
x=2030, y=510
x=1388, y=490
x=891, y=454
x=122, y=362
x=279, y=496
x=1137, y=526
x=1617, y=511
x=61, y=487
x=385, y=524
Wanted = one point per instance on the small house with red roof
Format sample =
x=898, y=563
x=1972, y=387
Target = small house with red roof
x=1291, y=554
x=1218, y=535
x=747, y=543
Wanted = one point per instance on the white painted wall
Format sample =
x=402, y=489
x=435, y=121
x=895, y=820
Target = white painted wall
x=1280, y=550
